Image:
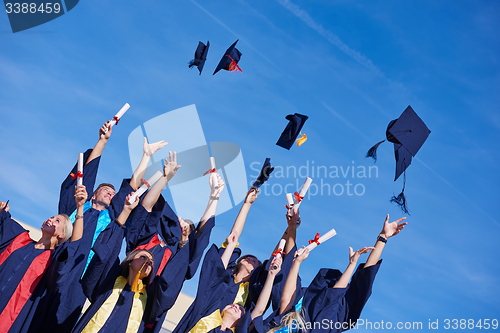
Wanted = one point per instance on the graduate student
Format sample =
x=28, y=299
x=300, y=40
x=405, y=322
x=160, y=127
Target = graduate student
x=330, y=297
x=223, y=279
x=24, y=261
x=181, y=254
x=99, y=212
x=260, y=274
x=123, y=294
x=256, y=312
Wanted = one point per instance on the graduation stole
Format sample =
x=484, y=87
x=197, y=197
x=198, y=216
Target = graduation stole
x=28, y=282
x=208, y=323
x=102, y=222
x=242, y=295
x=101, y=316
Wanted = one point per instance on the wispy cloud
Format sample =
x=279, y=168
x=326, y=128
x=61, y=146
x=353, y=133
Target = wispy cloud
x=330, y=36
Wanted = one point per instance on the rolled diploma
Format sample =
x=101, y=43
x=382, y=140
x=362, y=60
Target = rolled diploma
x=289, y=200
x=79, y=180
x=213, y=175
x=144, y=187
x=321, y=240
x=281, y=246
x=120, y=113
x=303, y=190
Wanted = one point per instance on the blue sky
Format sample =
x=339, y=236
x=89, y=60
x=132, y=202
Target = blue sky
x=350, y=66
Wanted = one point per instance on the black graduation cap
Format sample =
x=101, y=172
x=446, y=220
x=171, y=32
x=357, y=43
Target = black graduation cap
x=408, y=133
x=292, y=130
x=200, y=55
x=230, y=60
x=264, y=174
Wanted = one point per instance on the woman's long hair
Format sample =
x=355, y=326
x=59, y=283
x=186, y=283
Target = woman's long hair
x=294, y=321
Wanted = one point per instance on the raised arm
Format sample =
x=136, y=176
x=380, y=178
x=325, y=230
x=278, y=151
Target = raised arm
x=169, y=170
x=353, y=259
x=290, y=287
x=148, y=149
x=239, y=223
x=290, y=234
x=127, y=210
x=388, y=230
x=265, y=294
x=232, y=239
x=80, y=199
x=104, y=134
x=213, y=200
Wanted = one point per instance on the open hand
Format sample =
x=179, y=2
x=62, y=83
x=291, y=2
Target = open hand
x=393, y=228
x=170, y=167
x=354, y=256
x=150, y=148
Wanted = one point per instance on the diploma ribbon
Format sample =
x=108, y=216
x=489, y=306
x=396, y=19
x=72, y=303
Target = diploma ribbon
x=278, y=251
x=315, y=240
x=116, y=119
x=233, y=66
x=210, y=171
x=297, y=197
x=145, y=182
x=79, y=174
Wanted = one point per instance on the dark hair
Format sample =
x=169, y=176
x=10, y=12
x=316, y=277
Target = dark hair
x=124, y=265
x=105, y=184
x=191, y=225
x=236, y=269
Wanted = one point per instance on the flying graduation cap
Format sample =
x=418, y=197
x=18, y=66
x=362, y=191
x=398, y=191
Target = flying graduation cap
x=200, y=56
x=230, y=60
x=292, y=130
x=408, y=133
x=264, y=174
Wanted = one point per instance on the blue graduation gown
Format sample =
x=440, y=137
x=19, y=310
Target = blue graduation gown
x=322, y=303
x=16, y=265
x=67, y=203
x=182, y=264
x=64, y=309
x=216, y=288
x=258, y=278
x=99, y=279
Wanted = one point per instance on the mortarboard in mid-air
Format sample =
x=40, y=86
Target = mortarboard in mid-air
x=292, y=130
x=230, y=60
x=200, y=56
x=264, y=174
x=408, y=133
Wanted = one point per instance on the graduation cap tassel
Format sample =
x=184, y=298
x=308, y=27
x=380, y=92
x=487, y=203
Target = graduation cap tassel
x=400, y=200
x=372, y=152
x=135, y=283
x=191, y=63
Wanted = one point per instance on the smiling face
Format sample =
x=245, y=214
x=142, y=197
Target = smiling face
x=104, y=194
x=54, y=226
x=144, y=260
